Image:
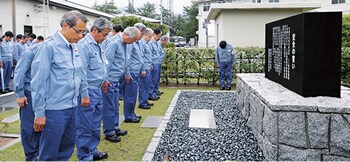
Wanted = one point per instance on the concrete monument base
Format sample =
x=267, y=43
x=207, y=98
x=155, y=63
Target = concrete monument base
x=290, y=127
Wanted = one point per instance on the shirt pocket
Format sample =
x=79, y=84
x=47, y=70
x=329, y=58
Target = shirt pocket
x=61, y=68
x=95, y=62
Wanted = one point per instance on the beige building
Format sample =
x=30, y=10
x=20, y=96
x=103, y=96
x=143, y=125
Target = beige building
x=32, y=16
x=242, y=22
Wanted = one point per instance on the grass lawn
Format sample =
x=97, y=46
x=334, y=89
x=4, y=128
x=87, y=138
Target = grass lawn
x=133, y=145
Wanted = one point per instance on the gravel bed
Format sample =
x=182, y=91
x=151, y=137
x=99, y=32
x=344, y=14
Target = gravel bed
x=232, y=140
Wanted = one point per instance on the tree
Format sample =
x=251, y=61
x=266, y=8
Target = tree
x=166, y=16
x=148, y=10
x=127, y=21
x=186, y=25
x=130, y=9
x=107, y=7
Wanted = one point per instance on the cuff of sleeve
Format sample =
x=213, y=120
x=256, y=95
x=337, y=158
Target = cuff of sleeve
x=40, y=113
x=20, y=94
x=84, y=94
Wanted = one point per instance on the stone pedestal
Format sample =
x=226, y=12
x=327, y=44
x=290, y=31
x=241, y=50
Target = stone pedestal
x=290, y=127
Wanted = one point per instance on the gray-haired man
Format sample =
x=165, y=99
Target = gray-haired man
x=56, y=82
x=95, y=73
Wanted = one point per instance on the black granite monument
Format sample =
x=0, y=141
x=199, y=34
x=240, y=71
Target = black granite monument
x=303, y=53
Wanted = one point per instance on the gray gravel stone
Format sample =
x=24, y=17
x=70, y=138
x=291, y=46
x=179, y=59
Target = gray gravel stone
x=340, y=136
x=232, y=140
x=318, y=129
x=291, y=128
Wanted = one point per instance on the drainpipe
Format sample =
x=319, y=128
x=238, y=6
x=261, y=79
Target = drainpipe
x=14, y=17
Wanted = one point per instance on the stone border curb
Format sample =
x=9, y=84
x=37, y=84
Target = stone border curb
x=11, y=143
x=148, y=156
x=7, y=97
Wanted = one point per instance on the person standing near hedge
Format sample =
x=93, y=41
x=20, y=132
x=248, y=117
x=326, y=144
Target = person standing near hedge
x=225, y=58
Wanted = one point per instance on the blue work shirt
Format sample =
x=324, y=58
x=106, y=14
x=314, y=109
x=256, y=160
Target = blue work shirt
x=56, y=76
x=225, y=55
x=161, y=52
x=19, y=49
x=134, y=59
x=155, y=51
x=147, y=54
x=29, y=43
x=116, y=57
x=22, y=78
x=6, y=51
x=104, y=43
x=94, y=63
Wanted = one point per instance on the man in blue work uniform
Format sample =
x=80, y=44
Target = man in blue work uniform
x=37, y=40
x=225, y=58
x=21, y=83
x=57, y=79
x=94, y=68
x=156, y=63
x=146, y=79
x=31, y=39
x=18, y=38
x=20, y=47
x=116, y=57
x=6, y=58
x=162, y=42
x=134, y=63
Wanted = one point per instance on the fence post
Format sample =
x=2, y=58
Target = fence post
x=240, y=63
x=214, y=72
x=176, y=69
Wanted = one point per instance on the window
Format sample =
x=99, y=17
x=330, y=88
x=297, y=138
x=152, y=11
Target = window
x=28, y=30
x=274, y=1
x=338, y=1
x=256, y=1
x=238, y=1
x=222, y=1
x=206, y=6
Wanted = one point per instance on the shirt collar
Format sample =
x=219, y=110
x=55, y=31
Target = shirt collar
x=90, y=39
x=63, y=38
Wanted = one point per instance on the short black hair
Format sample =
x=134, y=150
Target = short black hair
x=25, y=36
x=157, y=31
x=0, y=39
x=33, y=35
x=40, y=37
x=9, y=34
x=19, y=36
x=118, y=28
x=223, y=44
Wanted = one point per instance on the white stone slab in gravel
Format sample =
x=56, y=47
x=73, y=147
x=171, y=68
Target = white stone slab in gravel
x=11, y=119
x=121, y=119
x=200, y=118
x=152, y=122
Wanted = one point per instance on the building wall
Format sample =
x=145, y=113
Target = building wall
x=247, y=27
x=201, y=31
x=35, y=18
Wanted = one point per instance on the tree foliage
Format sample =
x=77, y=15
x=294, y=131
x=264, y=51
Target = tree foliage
x=108, y=7
x=186, y=25
x=127, y=21
x=148, y=10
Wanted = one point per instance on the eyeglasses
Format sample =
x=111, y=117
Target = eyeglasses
x=78, y=31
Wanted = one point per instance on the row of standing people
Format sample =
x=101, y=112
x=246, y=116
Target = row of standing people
x=67, y=85
x=10, y=52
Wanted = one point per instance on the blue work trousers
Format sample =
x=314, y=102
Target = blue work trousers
x=225, y=72
x=121, y=87
x=111, y=109
x=88, y=126
x=155, y=80
x=130, y=95
x=7, y=74
x=144, y=88
x=30, y=138
x=58, y=136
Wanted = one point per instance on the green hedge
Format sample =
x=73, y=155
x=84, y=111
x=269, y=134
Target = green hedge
x=186, y=64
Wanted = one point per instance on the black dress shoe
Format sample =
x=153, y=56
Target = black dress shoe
x=228, y=88
x=121, y=98
x=144, y=107
x=100, y=156
x=159, y=93
x=138, y=116
x=135, y=120
x=150, y=104
x=113, y=138
x=153, y=99
x=222, y=88
x=120, y=132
